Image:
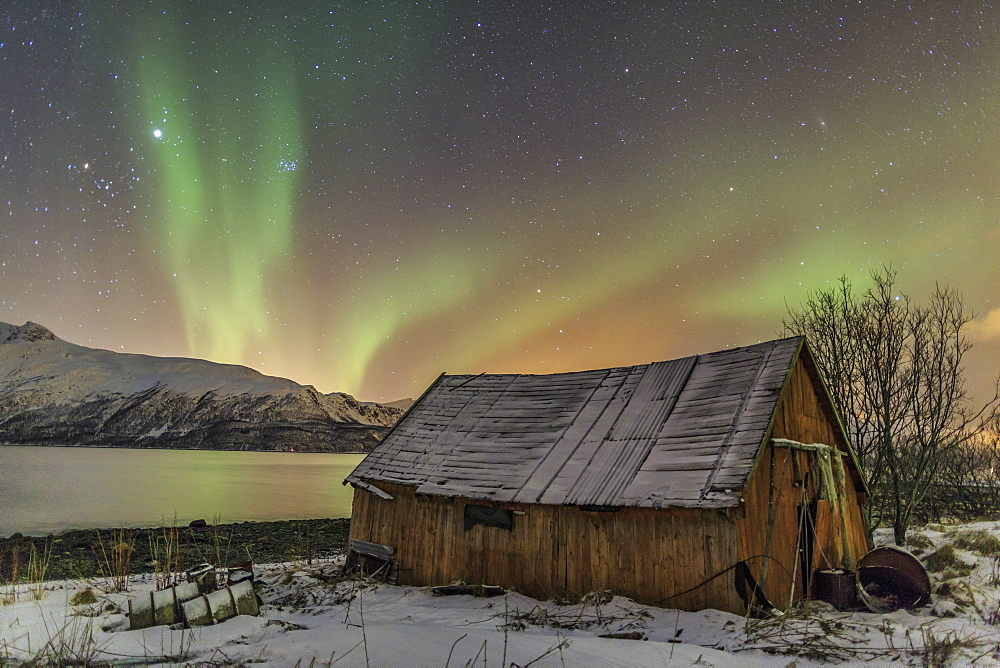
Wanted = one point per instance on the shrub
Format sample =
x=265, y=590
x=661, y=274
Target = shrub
x=85, y=597
x=981, y=542
x=918, y=541
x=946, y=558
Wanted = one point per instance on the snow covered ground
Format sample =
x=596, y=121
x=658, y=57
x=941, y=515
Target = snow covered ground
x=310, y=617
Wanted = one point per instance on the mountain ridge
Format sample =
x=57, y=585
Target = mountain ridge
x=53, y=392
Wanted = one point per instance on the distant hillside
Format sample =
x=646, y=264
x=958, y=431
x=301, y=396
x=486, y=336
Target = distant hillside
x=53, y=392
x=401, y=404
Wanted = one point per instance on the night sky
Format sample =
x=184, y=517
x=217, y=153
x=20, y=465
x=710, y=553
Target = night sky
x=360, y=196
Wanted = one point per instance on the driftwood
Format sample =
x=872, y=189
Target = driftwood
x=482, y=591
x=624, y=635
x=372, y=559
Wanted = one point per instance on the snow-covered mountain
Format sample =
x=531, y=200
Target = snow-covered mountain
x=55, y=392
x=401, y=404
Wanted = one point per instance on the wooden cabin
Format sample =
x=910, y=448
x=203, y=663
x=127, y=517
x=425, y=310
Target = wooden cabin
x=721, y=481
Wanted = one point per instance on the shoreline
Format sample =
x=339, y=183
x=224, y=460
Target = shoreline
x=164, y=447
x=90, y=553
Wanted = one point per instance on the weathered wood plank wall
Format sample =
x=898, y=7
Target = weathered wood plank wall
x=647, y=554
x=786, y=478
x=768, y=532
x=804, y=419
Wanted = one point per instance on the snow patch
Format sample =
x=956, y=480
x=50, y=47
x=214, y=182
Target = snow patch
x=310, y=614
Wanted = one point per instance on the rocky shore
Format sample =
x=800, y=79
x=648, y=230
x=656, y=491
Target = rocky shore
x=94, y=552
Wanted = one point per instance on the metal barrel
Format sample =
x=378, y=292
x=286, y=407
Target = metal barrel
x=218, y=606
x=204, y=575
x=836, y=587
x=140, y=612
x=896, y=579
x=160, y=607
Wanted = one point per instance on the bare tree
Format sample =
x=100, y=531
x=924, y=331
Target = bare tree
x=894, y=369
x=858, y=343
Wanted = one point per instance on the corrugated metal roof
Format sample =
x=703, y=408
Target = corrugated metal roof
x=678, y=433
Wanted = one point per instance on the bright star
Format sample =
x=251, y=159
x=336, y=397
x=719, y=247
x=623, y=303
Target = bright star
x=157, y=133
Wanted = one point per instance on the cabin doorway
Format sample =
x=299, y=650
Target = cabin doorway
x=806, y=543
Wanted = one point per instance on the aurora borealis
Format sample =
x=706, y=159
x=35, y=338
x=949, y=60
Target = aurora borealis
x=360, y=196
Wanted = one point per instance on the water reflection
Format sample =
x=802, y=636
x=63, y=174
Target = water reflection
x=45, y=490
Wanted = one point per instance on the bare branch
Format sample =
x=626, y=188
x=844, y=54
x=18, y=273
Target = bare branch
x=895, y=372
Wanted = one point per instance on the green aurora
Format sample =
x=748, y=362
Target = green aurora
x=228, y=150
x=360, y=197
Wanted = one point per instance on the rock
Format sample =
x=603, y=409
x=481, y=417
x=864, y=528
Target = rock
x=266, y=542
x=198, y=524
x=30, y=332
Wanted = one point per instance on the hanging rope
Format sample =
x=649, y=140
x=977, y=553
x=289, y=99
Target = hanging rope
x=754, y=590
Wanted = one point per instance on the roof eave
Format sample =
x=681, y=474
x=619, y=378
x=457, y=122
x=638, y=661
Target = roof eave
x=351, y=477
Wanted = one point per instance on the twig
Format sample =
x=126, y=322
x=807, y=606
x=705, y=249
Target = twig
x=453, y=649
x=563, y=642
x=360, y=642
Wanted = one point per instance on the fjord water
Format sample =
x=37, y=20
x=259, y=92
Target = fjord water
x=45, y=490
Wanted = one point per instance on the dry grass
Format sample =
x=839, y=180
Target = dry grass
x=33, y=574
x=83, y=597
x=947, y=559
x=957, y=590
x=72, y=644
x=802, y=632
x=166, y=556
x=995, y=572
x=980, y=542
x=918, y=543
x=11, y=596
x=590, y=614
x=38, y=563
x=115, y=560
x=939, y=650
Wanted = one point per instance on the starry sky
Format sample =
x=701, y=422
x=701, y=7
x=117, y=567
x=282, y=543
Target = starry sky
x=361, y=195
